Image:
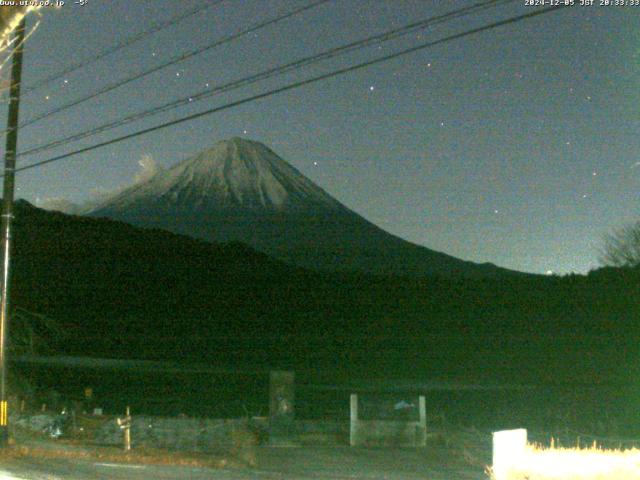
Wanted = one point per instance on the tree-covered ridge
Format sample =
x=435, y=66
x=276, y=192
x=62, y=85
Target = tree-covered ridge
x=122, y=291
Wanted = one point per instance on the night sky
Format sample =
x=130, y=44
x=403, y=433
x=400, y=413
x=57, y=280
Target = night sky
x=517, y=146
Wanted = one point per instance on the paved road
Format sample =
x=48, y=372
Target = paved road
x=316, y=463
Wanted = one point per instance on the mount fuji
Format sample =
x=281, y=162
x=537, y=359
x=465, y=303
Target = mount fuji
x=240, y=190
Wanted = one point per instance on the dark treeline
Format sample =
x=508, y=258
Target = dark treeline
x=121, y=291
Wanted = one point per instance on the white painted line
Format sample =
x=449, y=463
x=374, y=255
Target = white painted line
x=117, y=465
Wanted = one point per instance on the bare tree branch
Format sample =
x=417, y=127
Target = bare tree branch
x=622, y=247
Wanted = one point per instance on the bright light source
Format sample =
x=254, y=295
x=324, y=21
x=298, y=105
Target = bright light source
x=514, y=461
x=508, y=450
x=7, y=476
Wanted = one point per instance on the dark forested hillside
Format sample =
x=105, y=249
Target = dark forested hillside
x=121, y=291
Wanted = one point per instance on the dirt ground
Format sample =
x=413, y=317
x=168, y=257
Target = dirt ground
x=459, y=456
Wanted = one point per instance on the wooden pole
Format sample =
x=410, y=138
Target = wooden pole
x=127, y=432
x=125, y=424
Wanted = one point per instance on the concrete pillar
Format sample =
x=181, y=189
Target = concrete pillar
x=353, y=431
x=281, y=407
x=421, y=434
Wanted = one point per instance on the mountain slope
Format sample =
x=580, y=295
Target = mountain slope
x=126, y=292
x=242, y=191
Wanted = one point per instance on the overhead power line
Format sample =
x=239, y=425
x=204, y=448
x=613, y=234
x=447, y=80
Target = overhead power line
x=173, y=61
x=180, y=58
x=122, y=45
x=272, y=72
x=295, y=85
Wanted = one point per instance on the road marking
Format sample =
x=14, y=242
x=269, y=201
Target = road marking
x=117, y=465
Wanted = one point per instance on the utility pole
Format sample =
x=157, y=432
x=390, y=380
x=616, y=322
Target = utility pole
x=7, y=217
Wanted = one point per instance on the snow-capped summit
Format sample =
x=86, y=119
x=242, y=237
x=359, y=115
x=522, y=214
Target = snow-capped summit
x=235, y=173
x=240, y=190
